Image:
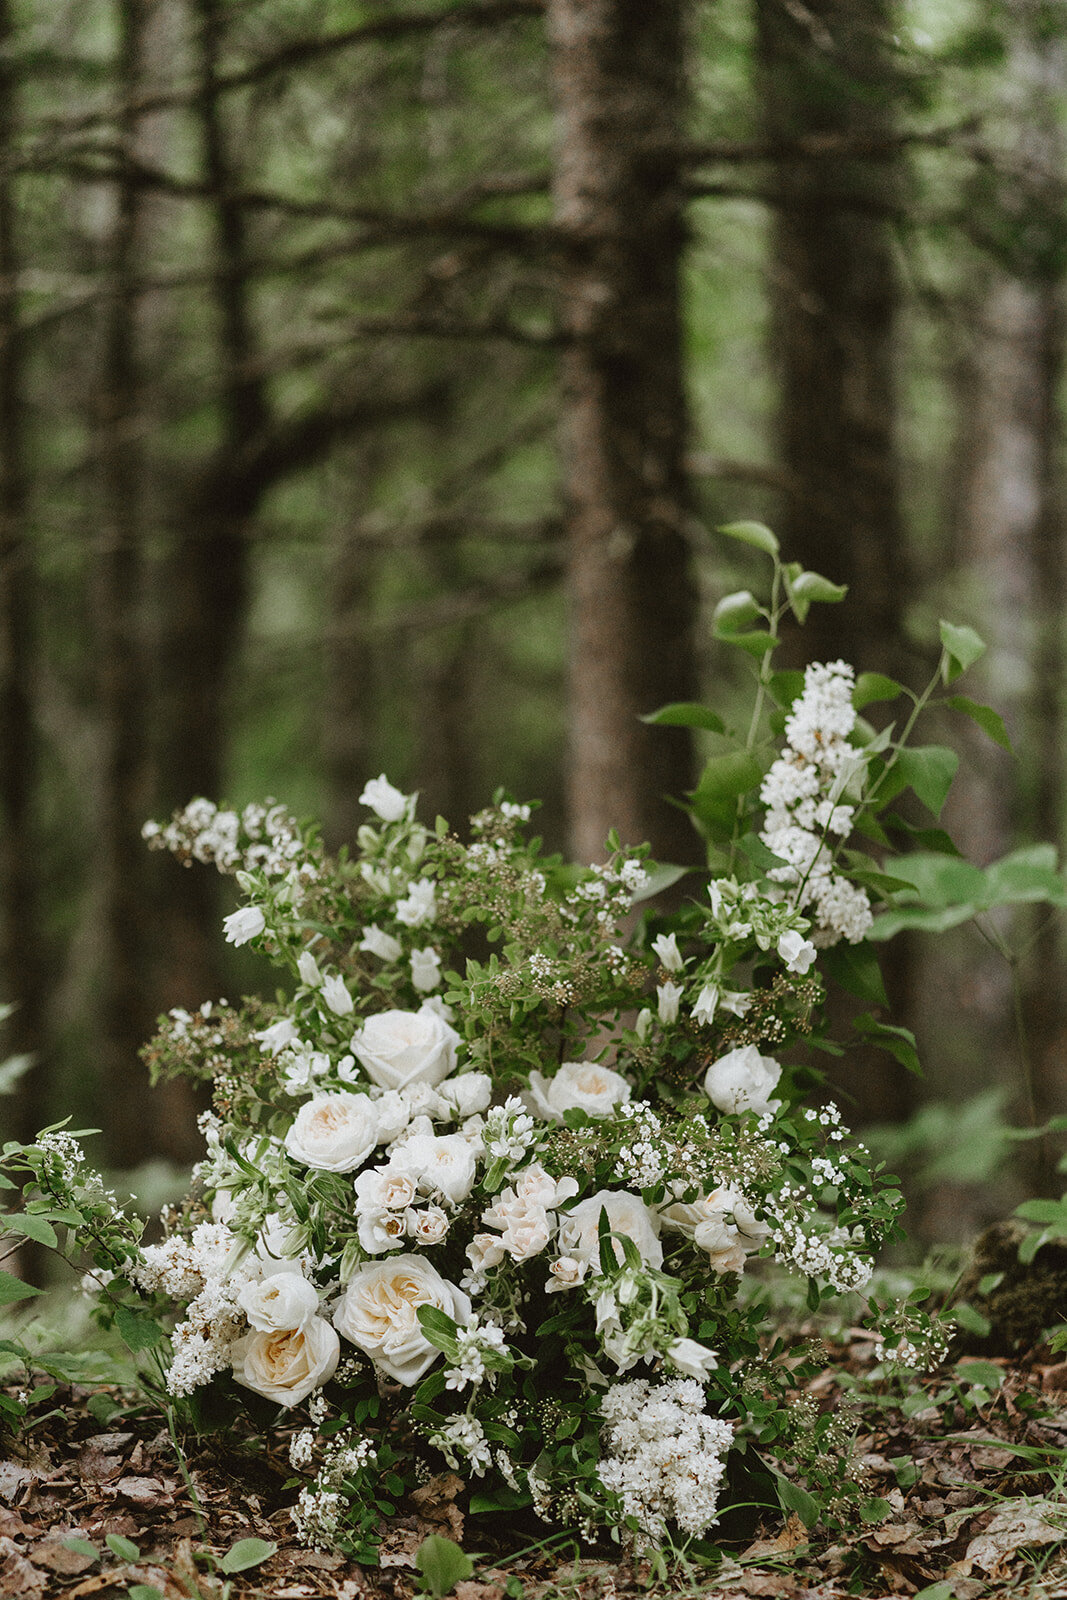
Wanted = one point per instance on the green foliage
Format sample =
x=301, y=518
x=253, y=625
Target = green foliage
x=441, y=1564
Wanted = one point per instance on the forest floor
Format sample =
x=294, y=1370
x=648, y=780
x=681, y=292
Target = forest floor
x=95, y=1501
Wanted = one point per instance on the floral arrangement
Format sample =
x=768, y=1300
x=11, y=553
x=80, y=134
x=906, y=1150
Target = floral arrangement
x=486, y=1183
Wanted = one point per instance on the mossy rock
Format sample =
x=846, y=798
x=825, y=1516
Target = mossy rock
x=1029, y=1298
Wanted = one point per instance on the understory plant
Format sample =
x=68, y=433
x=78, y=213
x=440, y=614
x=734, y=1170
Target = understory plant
x=483, y=1175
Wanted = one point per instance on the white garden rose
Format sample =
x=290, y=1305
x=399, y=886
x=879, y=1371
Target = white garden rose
x=580, y=1086
x=394, y=1114
x=438, y=1164
x=467, y=1094
x=383, y=1189
x=527, y=1230
x=286, y=1364
x=283, y=1300
x=427, y=1225
x=627, y=1214
x=334, y=1132
x=742, y=1080
x=566, y=1273
x=379, y=1313
x=723, y=1224
x=396, y=1048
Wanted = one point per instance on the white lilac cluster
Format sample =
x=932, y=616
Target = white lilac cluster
x=803, y=793
x=261, y=838
x=663, y=1456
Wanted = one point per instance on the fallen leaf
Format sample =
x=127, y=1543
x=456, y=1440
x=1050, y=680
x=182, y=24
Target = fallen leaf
x=18, y=1579
x=54, y=1553
x=398, y=1548
x=15, y=1476
x=147, y=1492
x=1017, y=1525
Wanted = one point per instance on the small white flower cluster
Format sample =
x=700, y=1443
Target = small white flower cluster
x=508, y=1131
x=464, y=1438
x=802, y=793
x=262, y=838
x=609, y=886
x=197, y=1270
x=832, y=1256
x=475, y=1341
x=642, y=1161
x=663, y=1457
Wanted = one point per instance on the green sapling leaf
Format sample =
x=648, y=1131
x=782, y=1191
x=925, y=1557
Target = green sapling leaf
x=753, y=533
x=685, y=714
x=124, y=1549
x=442, y=1564
x=988, y=720
x=37, y=1228
x=13, y=1289
x=962, y=648
x=734, y=612
x=246, y=1553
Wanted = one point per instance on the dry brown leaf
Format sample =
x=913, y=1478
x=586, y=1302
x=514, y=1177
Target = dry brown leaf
x=18, y=1579
x=147, y=1492
x=15, y=1476
x=54, y=1553
x=398, y=1548
x=471, y=1589
x=1016, y=1526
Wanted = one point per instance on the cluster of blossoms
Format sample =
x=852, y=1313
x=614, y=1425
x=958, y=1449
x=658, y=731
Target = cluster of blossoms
x=803, y=792
x=500, y=1207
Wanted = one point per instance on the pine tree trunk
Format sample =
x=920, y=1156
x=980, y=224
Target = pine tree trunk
x=21, y=956
x=619, y=77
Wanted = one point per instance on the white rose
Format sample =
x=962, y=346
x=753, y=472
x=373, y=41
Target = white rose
x=336, y=995
x=334, y=1132
x=277, y=1036
x=429, y=1225
x=285, y=1364
x=534, y=1185
x=425, y=1102
x=485, y=1250
x=468, y=1094
x=578, y=1085
x=380, y=1230
x=666, y=949
x=396, y=1048
x=286, y=1300
x=527, y=1231
x=384, y=800
x=378, y=1314
x=240, y=926
x=567, y=1273
x=419, y=905
x=439, y=1164
x=383, y=1189
x=378, y=943
x=627, y=1214
x=742, y=1080
x=425, y=968
x=394, y=1114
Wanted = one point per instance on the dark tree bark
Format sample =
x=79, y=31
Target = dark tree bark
x=825, y=69
x=825, y=72
x=21, y=956
x=619, y=78
x=119, y=574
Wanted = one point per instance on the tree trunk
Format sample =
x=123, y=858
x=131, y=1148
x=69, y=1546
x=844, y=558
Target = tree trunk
x=825, y=71
x=825, y=75
x=21, y=957
x=619, y=77
x=121, y=665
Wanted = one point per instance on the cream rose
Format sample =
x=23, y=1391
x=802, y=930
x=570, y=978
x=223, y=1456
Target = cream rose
x=285, y=1364
x=379, y=1314
x=334, y=1132
x=438, y=1163
x=468, y=1094
x=742, y=1080
x=396, y=1048
x=579, y=1086
x=627, y=1214
x=285, y=1300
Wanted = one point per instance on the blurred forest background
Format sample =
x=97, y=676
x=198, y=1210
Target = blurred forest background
x=371, y=375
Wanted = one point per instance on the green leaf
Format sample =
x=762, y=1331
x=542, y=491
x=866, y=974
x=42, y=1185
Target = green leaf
x=807, y=587
x=439, y=1329
x=686, y=714
x=734, y=612
x=37, y=1228
x=246, y=1553
x=442, y=1564
x=756, y=643
x=872, y=687
x=138, y=1330
x=937, y=1591
x=984, y=1373
x=124, y=1549
x=144, y=1591
x=13, y=1289
x=988, y=720
x=661, y=874
x=792, y=1497
x=965, y=1316
x=753, y=533
x=875, y=1510
x=502, y=1499
x=962, y=648
x=928, y=769
x=855, y=967
x=723, y=779
x=82, y=1547
x=897, y=1042
x=786, y=686
x=757, y=852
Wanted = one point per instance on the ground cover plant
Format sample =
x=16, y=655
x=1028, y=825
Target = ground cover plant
x=494, y=1181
